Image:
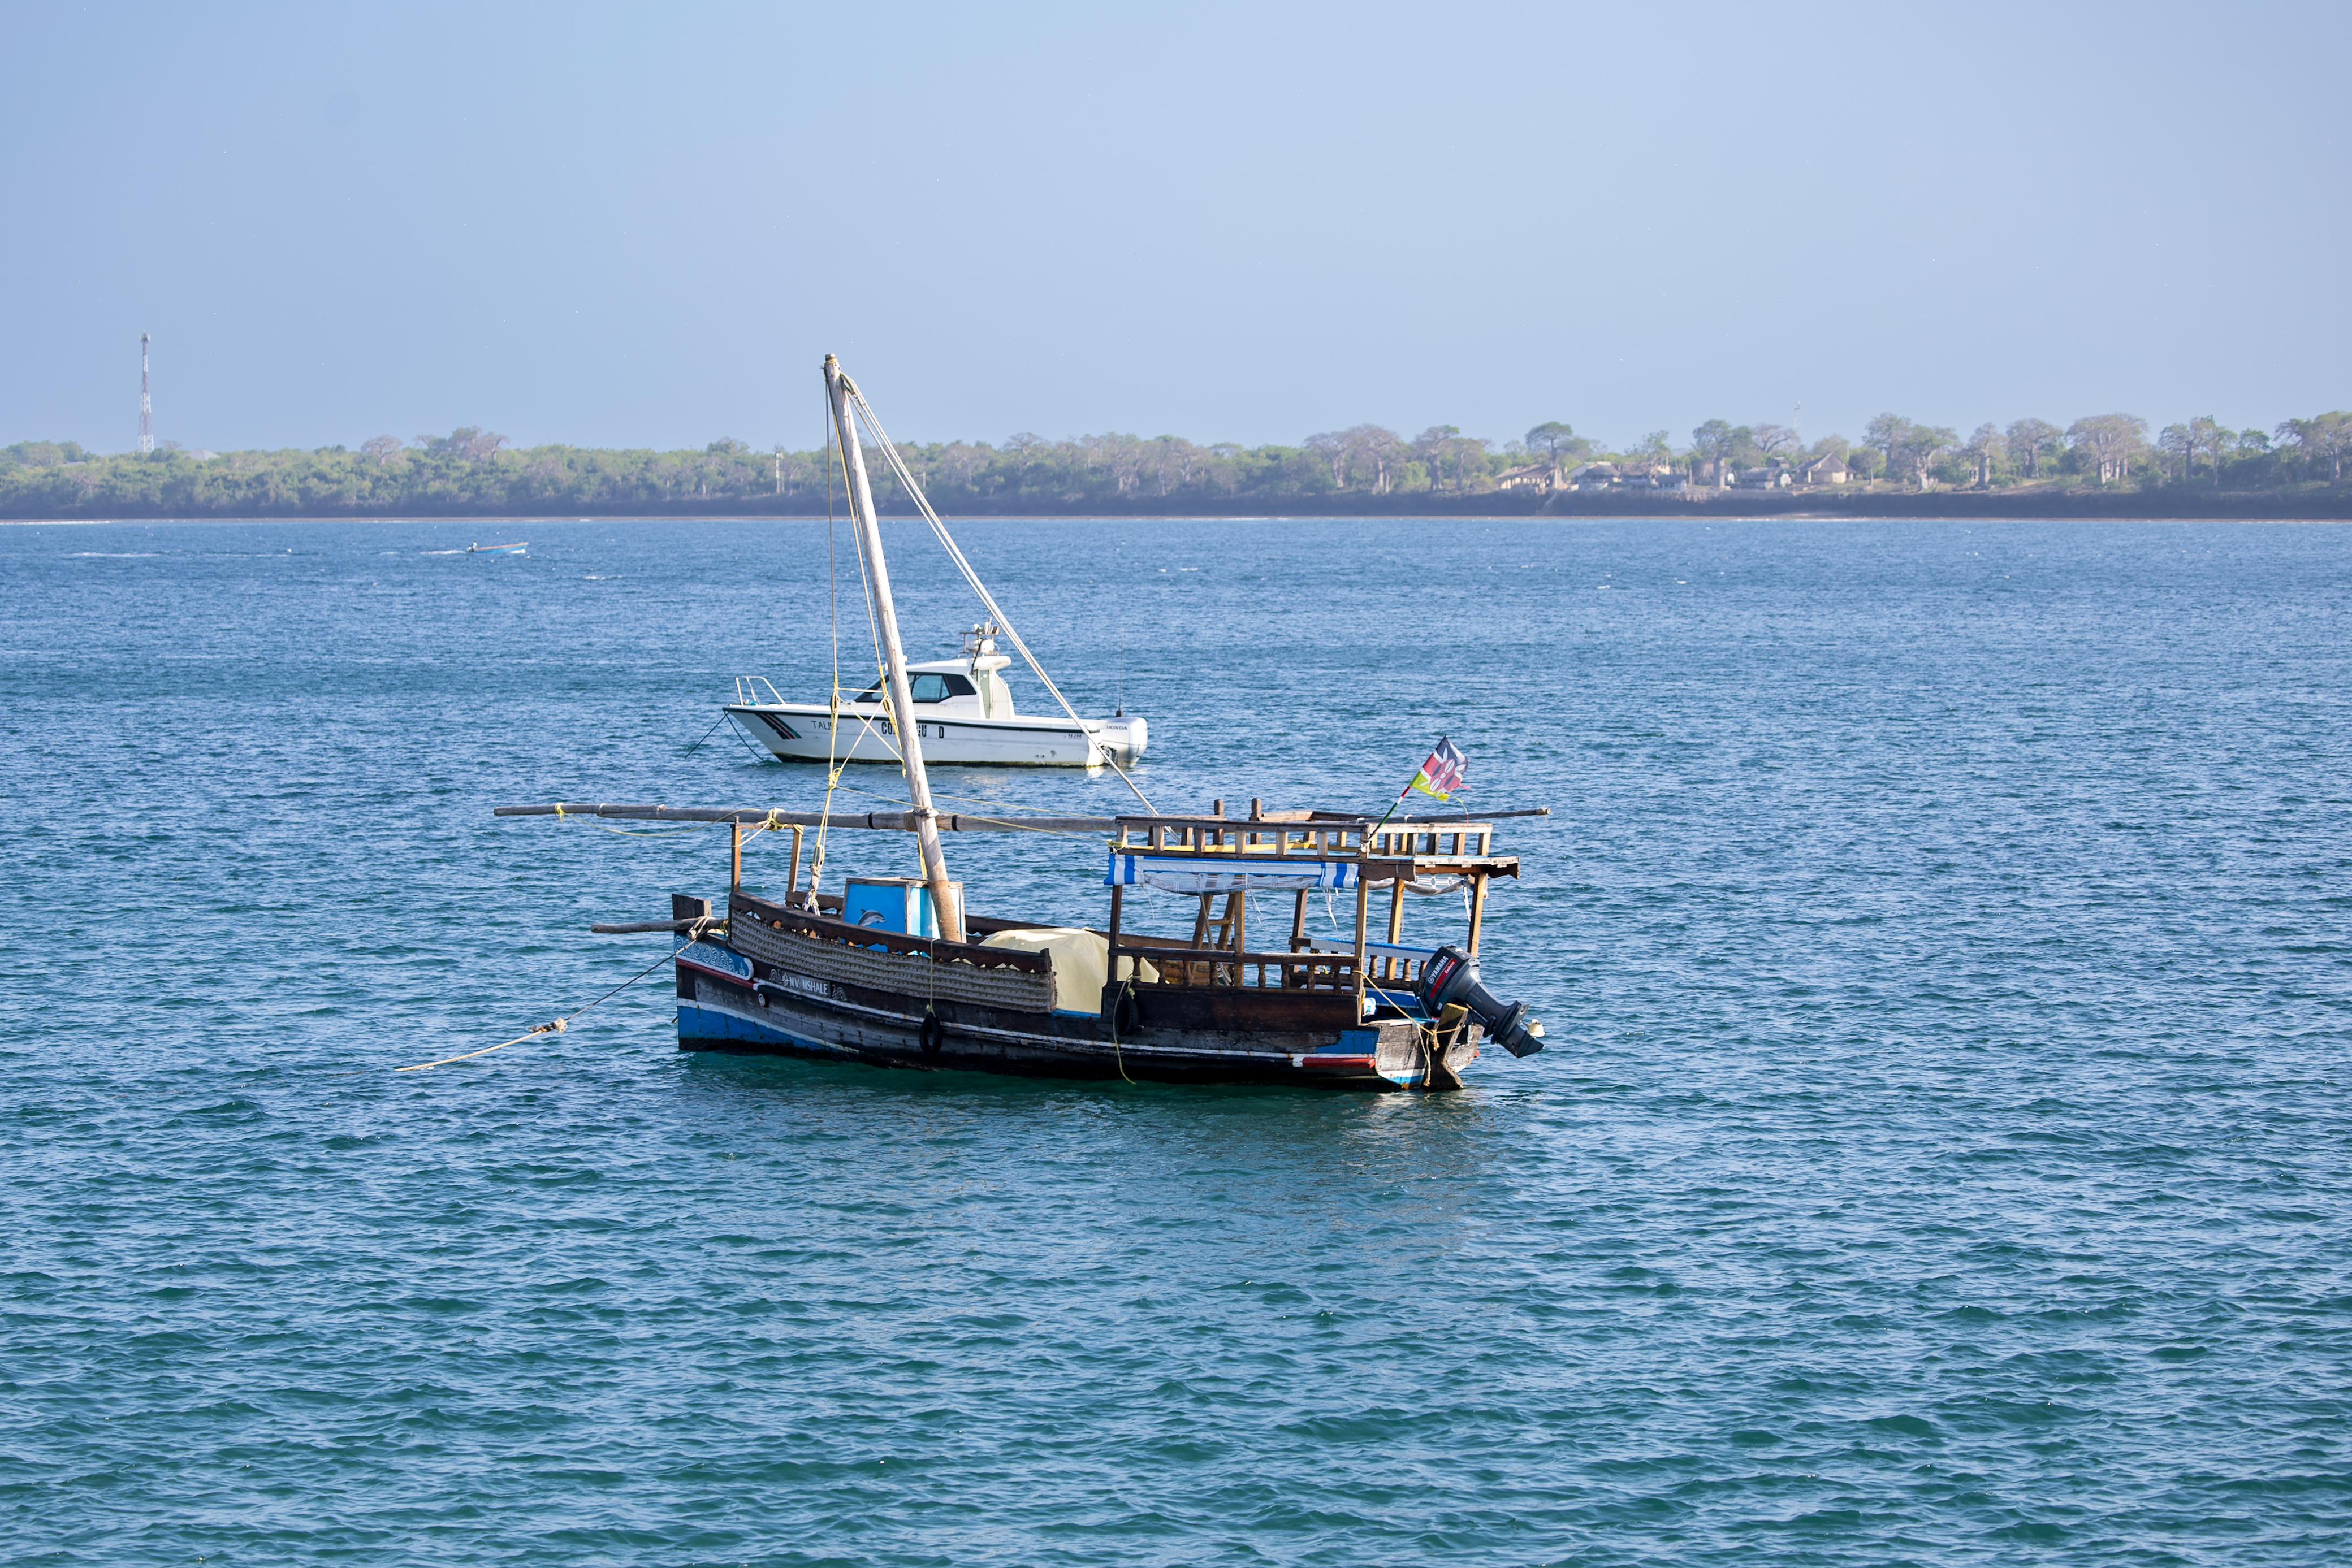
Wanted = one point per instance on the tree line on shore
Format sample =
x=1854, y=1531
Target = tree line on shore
x=474, y=472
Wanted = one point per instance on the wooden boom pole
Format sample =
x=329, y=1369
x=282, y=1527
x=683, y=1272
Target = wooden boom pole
x=944, y=906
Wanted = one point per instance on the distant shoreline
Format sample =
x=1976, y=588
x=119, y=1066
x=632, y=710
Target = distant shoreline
x=2100, y=468
x=2169, y=503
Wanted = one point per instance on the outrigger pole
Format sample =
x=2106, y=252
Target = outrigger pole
x=944, y=907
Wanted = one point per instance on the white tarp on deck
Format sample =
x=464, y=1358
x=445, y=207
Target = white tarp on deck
x=1081, y=963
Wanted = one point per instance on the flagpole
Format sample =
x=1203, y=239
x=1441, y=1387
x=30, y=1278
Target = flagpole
x=1417, y=772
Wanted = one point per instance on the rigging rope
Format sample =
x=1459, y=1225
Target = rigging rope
x=946, y=542
x=1125, y=998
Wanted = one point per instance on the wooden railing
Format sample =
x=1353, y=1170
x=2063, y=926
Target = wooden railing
x=1385, y=964
x=1279, y=839
x=1453, y=843
x=1190, y=966
x=744, y=906
x=1276, y=838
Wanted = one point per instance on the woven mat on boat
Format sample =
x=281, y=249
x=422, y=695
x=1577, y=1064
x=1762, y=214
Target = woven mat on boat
x=908, y=973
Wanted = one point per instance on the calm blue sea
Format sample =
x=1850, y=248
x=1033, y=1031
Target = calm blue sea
x=1944, y=1155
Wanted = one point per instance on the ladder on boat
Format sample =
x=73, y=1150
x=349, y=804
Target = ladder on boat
x=1220, y=932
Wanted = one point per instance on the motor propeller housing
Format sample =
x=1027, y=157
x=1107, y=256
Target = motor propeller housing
x=1450, y=977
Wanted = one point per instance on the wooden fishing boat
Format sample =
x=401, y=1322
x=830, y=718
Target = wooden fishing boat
x=818, y=975
x=895, y=972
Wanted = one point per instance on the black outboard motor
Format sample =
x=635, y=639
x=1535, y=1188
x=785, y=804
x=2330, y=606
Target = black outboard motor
x=1449, y=976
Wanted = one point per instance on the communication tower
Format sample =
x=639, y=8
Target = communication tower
x=146, y=403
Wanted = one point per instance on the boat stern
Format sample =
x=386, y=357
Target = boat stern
x=1122, y=739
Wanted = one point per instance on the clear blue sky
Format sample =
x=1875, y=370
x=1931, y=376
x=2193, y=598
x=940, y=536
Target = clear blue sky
x=644, y=225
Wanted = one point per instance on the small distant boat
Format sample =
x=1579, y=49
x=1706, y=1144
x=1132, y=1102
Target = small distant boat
x=521, y=546
x=963, y=713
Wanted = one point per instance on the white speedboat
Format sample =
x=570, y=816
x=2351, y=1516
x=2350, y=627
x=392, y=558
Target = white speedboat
x=964, y=711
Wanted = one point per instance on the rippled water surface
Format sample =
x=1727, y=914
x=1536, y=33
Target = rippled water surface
x=1944, y=1154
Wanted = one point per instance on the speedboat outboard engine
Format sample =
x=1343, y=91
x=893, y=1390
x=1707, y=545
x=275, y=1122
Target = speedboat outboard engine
x=1449, y=977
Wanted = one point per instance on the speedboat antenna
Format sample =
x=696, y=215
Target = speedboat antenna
x=944, y=908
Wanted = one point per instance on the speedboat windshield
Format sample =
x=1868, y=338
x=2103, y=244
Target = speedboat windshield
x=927, y=687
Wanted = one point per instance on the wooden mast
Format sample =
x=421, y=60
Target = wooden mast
x=944, y=907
